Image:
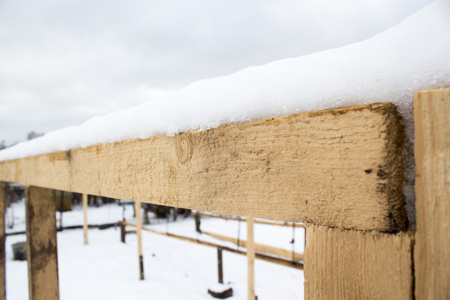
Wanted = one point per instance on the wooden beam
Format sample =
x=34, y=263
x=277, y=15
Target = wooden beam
x=259, y=247
x=41, y=243
x=250, y=260
x=2, y=242
x=352, y=264
x=432, y=153
x=339, y=167
x=261, y=256
x=236, y=218
x=85, y=223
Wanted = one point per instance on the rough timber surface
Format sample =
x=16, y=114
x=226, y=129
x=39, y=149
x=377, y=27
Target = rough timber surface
x=338, y=167
x=41, y=243
x=353, y=264
x=432, y=152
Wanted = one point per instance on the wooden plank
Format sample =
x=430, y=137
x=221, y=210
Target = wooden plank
x=85, y=223
x=432, y=153
x=236, y=218
x=261, y=256
x=340, y=167
x=138, y=212
x=250, y=260
x=2, y=242
x=259, y=247
x=352, y=264
x=41, y=243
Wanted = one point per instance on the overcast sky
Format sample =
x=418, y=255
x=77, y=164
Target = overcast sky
x=63, y=62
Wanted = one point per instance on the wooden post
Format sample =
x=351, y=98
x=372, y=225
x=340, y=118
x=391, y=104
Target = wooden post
x=353, y=264
x=197, y=223
x=61, y=208
x=122, y=232
x=432, y=153
x=2, y=243
x=85, y=224
x=220, y=264
x=250, y=259
x=137, y=206
x=41, y=243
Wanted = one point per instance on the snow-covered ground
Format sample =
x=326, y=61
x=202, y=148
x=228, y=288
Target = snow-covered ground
x=174, y=269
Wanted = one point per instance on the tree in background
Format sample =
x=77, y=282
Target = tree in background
x=32, y=135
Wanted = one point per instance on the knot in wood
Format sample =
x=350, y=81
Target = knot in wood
x=183, y=148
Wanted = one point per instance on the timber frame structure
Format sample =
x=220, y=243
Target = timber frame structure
x=339, y=171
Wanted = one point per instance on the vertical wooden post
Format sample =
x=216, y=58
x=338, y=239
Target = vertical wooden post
x=85, y=224
x=122, y=232
x=2, y=243
x=345, y=264
x=41, y=243
x=432, y=153
x=250, y=259
x=61, y=208
x=220, y=264
x=137, y=206
x=197, y=223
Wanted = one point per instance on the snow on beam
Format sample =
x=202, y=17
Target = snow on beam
x=339, y=167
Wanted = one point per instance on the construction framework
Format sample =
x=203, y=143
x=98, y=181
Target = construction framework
x=340, y=171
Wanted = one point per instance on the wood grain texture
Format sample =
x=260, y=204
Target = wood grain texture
x=138, y=213
x=250, y=260
x=352, y=264
x=41, y=243
x=2, y=242
x=432, y=152
x=340, y=167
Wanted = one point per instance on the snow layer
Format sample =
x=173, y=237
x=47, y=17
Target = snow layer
x=388, y=67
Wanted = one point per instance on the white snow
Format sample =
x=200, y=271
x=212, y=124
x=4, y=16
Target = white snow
x=174, y=269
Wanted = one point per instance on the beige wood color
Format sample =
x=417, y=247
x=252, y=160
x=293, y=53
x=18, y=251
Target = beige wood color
x=138, y=212
x=432, y=152
x=85, y=223
x=2, y=242
x=236, y=218
x=259, y=247
x=352, y=264
x=41, y=244
x=250, y=259
x=340, y=167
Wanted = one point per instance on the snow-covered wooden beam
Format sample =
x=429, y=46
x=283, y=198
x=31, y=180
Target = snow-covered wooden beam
x=339, y=167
